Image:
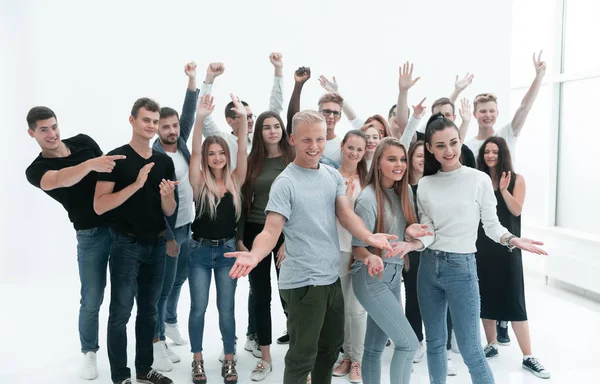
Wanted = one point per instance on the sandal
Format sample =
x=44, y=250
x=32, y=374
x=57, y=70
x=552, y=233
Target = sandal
x=228, y=372
x=198, y=373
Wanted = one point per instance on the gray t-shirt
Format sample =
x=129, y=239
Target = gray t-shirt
x=306, y=198
x=395, y=222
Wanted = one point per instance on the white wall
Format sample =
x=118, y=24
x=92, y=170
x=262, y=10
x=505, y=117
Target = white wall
x=89, y=61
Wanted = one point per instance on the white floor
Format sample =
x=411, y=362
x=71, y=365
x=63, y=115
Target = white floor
x=41, y=343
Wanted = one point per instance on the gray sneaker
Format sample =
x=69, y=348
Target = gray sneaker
x=261, y=371
x=490, y=351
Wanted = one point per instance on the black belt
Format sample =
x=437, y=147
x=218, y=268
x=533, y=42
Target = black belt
x=212, y=242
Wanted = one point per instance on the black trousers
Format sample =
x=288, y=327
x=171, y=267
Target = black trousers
x=260, y=285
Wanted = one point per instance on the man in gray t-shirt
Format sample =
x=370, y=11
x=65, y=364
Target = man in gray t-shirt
x=304, y=202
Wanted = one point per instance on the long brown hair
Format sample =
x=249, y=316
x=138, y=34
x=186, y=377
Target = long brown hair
x=257, y=156
x=401, y=187
x=504, y=163
x=383, y=121
x=411, y=154
x=361, y=167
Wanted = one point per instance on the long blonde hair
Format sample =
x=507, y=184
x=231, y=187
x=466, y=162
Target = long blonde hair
x=209, y=196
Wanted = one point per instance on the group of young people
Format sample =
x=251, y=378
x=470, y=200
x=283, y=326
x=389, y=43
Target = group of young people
x=345, y=219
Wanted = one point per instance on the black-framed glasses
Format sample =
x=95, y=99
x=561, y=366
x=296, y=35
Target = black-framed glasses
x=329, y=112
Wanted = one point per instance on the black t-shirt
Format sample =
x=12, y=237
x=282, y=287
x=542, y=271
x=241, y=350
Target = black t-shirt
x=141, y=215
x=466, y=158
x=224, y=224
x=78, y=199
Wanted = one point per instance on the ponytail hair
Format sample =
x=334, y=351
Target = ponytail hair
x=436, y=123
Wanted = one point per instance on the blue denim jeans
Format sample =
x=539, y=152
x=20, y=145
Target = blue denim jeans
x=93, y=250
x=175, y=276
x=202, y=262
x=136, y=271
x=381, y=299
x=449, y=280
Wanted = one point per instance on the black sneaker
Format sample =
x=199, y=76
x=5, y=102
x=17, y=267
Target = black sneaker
x=153, y=377
x=533, y=365
x=490, y=351
x=126, y=381
x=502, y=333
x=285, y=339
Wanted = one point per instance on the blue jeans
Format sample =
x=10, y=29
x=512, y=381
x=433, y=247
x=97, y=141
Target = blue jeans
x=136, y=271
x=202, y=261
x=93, y=250
x=175, y=276
x=381, y=299
x=449, y=280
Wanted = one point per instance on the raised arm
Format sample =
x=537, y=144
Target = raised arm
x=67, y=177
x=301, y=75
x=205, y=108
x=514, y=202
x=106, y=200
x=239, y=173
x=521, y=114
x=460, y=85
x=465, y=112
x=333, y=87
x=186, y=121
x=413, y=124
x=213, y=71
x=404, y=84
x=276, y=100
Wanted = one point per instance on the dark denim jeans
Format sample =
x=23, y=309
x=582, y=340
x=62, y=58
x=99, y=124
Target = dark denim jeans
x=93, y=250
x=175, y=276
x=136, y=271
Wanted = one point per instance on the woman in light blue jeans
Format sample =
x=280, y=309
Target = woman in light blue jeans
x=452, y=200
x=385, y=205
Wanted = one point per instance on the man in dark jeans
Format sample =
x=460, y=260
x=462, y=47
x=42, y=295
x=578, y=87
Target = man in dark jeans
x=66, y=171
x=138, y=194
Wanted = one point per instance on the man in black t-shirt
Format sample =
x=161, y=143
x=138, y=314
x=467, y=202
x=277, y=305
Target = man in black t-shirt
x=136, y=196
x=66, y=171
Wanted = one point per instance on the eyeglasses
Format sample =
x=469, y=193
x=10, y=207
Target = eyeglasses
x=329, y=112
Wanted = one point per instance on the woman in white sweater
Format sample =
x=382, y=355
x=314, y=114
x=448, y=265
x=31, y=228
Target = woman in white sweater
x=452, y=200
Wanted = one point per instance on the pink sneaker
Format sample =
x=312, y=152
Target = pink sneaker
x=355, y=376
x=343, y=368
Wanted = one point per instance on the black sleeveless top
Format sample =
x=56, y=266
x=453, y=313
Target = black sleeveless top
x=224, y=224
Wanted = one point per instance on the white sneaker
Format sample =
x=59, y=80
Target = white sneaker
x=172, y=332
x=251, y=344
x=222, y=355
x=454, y=344
x=172, y=355
x=420, y=353
x=452, y=370
x=89, y=366
x=261, y=371
x=162, y=362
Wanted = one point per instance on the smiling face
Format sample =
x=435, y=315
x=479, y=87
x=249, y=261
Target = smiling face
x=272, y=132
x=47, y=134
x=217, y=158
x=392, y=165
x=168, y=131
x=486, y=114
x=373, y=139
x=491, y=155
x=332, y=112
x=145, y=125
x=309, y=139
x=446, y=147
x=353, y=149
x=418, y=159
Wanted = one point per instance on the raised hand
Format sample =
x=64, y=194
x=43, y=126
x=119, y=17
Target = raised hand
x=461, y=84
x=205, y=106
x=143, y=175
x=167, y=187
x=465, y=110
x=331, y=87
x=406, y=77
x=504, y=181
x=104, y=164
x=301, y=75
x=276, y=59
x=172, y=248
x=419, y=109
x=528, y=245
x=213, y=71
x=244, y=263
x=417, y=230
x=190, y=69
x=280, y=255
x=540, y=66
x=374, y=264
x=350, y=186
x=238, y=107
x=381, y=241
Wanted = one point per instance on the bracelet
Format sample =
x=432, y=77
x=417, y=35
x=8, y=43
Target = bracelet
x=507, y=240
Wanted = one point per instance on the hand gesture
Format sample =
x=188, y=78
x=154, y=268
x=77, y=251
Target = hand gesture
x=374, y=264
x=504, y=181
x=105, y=164
x=330, y=87
x=381, y=241
x=143, y=175
x=461, y=84
x=276, y=59
x=419, y=109
x=244, y=263
x=205, y=106
x=241, y=247
x=350, y=186
x=417, y=230
x=215, y=70
x=280, y=256
x=401, y=248
x=167, y=187
x=465, y=111
x=238, y=107
x=540, y=66
x=301, y=75
x=528, y=245
x=172, y=248
x=190, y=69
x=406, y=80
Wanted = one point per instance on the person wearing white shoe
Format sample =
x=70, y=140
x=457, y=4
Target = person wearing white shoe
x=452, y=370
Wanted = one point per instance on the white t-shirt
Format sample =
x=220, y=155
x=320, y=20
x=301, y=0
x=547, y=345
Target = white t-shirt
x=333, y=149
x=185, y=208
x=505, y=132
